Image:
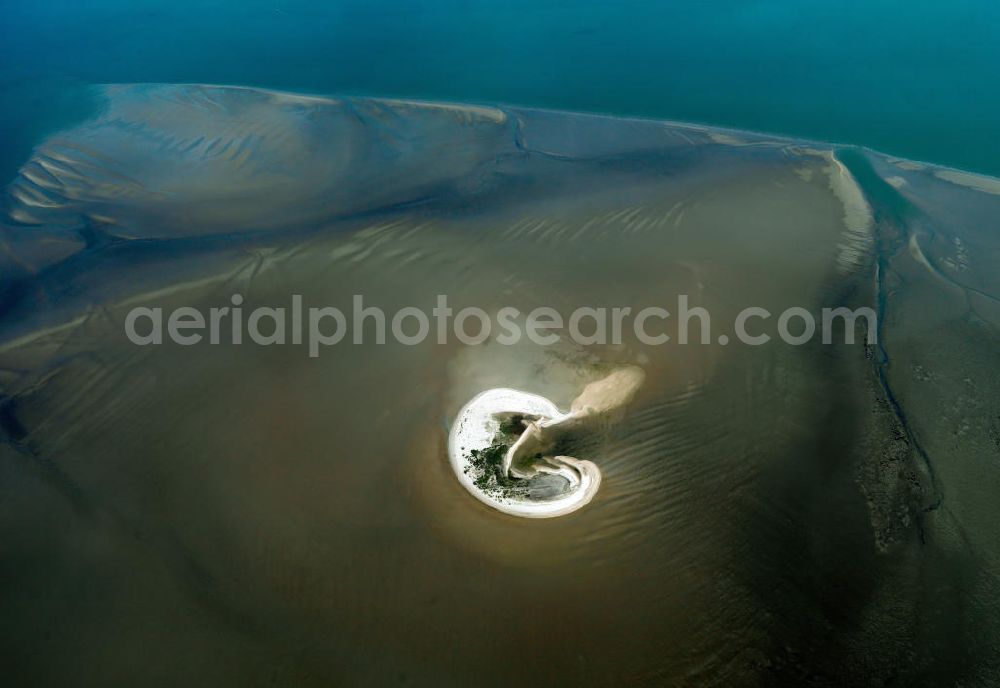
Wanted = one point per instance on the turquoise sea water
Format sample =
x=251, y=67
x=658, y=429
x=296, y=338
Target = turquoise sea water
x=916, y=79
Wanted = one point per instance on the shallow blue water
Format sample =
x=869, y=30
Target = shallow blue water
x=918, y=79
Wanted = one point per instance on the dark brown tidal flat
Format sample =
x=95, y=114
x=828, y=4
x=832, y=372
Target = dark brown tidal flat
x=245, y=515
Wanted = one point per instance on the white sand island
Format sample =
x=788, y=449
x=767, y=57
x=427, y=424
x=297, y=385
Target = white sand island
x=503, y=446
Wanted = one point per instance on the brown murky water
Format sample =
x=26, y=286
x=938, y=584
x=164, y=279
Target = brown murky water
x=248, y=515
